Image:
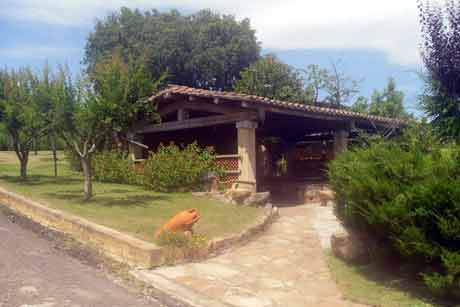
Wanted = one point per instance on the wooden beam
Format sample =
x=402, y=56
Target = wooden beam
x=196, y=106
x=182, y=114
x=199, y=122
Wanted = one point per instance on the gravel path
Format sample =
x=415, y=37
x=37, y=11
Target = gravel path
x=34, y=273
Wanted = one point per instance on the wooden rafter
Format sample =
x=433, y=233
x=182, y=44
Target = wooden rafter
x=199, y=122
x=196, y=106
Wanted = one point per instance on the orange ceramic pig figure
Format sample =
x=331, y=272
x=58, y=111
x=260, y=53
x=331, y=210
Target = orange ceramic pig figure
x=183, y=221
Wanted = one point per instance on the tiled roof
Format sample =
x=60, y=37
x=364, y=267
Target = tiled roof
x=304, y=108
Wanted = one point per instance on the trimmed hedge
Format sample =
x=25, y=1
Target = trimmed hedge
x=406, y=191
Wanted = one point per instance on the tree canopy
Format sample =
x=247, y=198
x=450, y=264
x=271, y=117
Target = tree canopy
x=100, y=109
x=205, y=49
x=388, y=103
x=269, y=77
x=440, y=27
x=23, y=110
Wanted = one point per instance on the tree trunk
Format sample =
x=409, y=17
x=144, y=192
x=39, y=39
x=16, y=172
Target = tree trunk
x=88, y=185
x=53, y=148
x=23, y=161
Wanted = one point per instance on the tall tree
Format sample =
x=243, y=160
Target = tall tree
x=361, y=105
x=204, y=49
x=269, y=77
x=123, y=87
x=389, y=103
x=440, y=27
x=317, y=80
x=44, y=98
x=22, y=112
x=340, y=88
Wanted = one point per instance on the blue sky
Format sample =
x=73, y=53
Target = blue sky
x=374, y=40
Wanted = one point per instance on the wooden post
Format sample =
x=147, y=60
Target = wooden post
x=340, y=142
x=247, y=150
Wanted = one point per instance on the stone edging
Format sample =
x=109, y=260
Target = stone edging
x=117, y=245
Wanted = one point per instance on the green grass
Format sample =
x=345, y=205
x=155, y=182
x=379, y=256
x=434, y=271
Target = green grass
x=379, y=284
x=127, y=208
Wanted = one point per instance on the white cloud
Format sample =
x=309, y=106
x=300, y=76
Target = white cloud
x=390, y=25
x=36, y=52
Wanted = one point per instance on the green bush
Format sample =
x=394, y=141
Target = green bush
x=114, y=166
x=406, y=192
x=172, y=168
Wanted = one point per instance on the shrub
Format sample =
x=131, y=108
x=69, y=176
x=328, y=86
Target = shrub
x=178, y=246
x=172, y=168
x=181, y=240
x=114, y=166
x=406, y=191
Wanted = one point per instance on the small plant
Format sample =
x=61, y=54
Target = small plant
x=179, y=246
x=181, y=240
x=114, y=166
x=174, y=168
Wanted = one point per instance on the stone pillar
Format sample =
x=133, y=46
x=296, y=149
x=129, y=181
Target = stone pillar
x=247, y=150
x=340, y=142
x=135, y=151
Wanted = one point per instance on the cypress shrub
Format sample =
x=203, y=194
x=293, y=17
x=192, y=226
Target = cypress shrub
x=406, y=191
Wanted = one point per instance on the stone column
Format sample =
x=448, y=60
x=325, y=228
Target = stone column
x=247, y=150
x=135, y=151
x=340, y=142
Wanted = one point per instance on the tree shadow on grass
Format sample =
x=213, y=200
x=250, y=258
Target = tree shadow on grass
x=393, y=273
x=37, y=180
x=123, y=199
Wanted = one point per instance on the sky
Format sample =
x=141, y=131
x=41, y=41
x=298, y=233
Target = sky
x=374, y=40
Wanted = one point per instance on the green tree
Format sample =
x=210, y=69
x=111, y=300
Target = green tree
x=441, y=56
x=92, y=111
x=44, y=98
x=21, y=112
x=269, y=77
x=389, y=103
x=317, y=81
x=123, y=87
x=340, y=88
x=361, y=105
x=204, y=49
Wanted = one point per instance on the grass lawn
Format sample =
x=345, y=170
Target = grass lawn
x=381, y=285
x=127, y=208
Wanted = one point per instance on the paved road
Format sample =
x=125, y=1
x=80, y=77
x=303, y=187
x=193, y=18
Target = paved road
x=34, y=274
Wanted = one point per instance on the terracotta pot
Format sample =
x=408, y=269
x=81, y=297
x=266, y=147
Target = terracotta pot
x=183, y=221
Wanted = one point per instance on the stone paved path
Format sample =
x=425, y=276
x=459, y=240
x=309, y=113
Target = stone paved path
x=283, y=267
